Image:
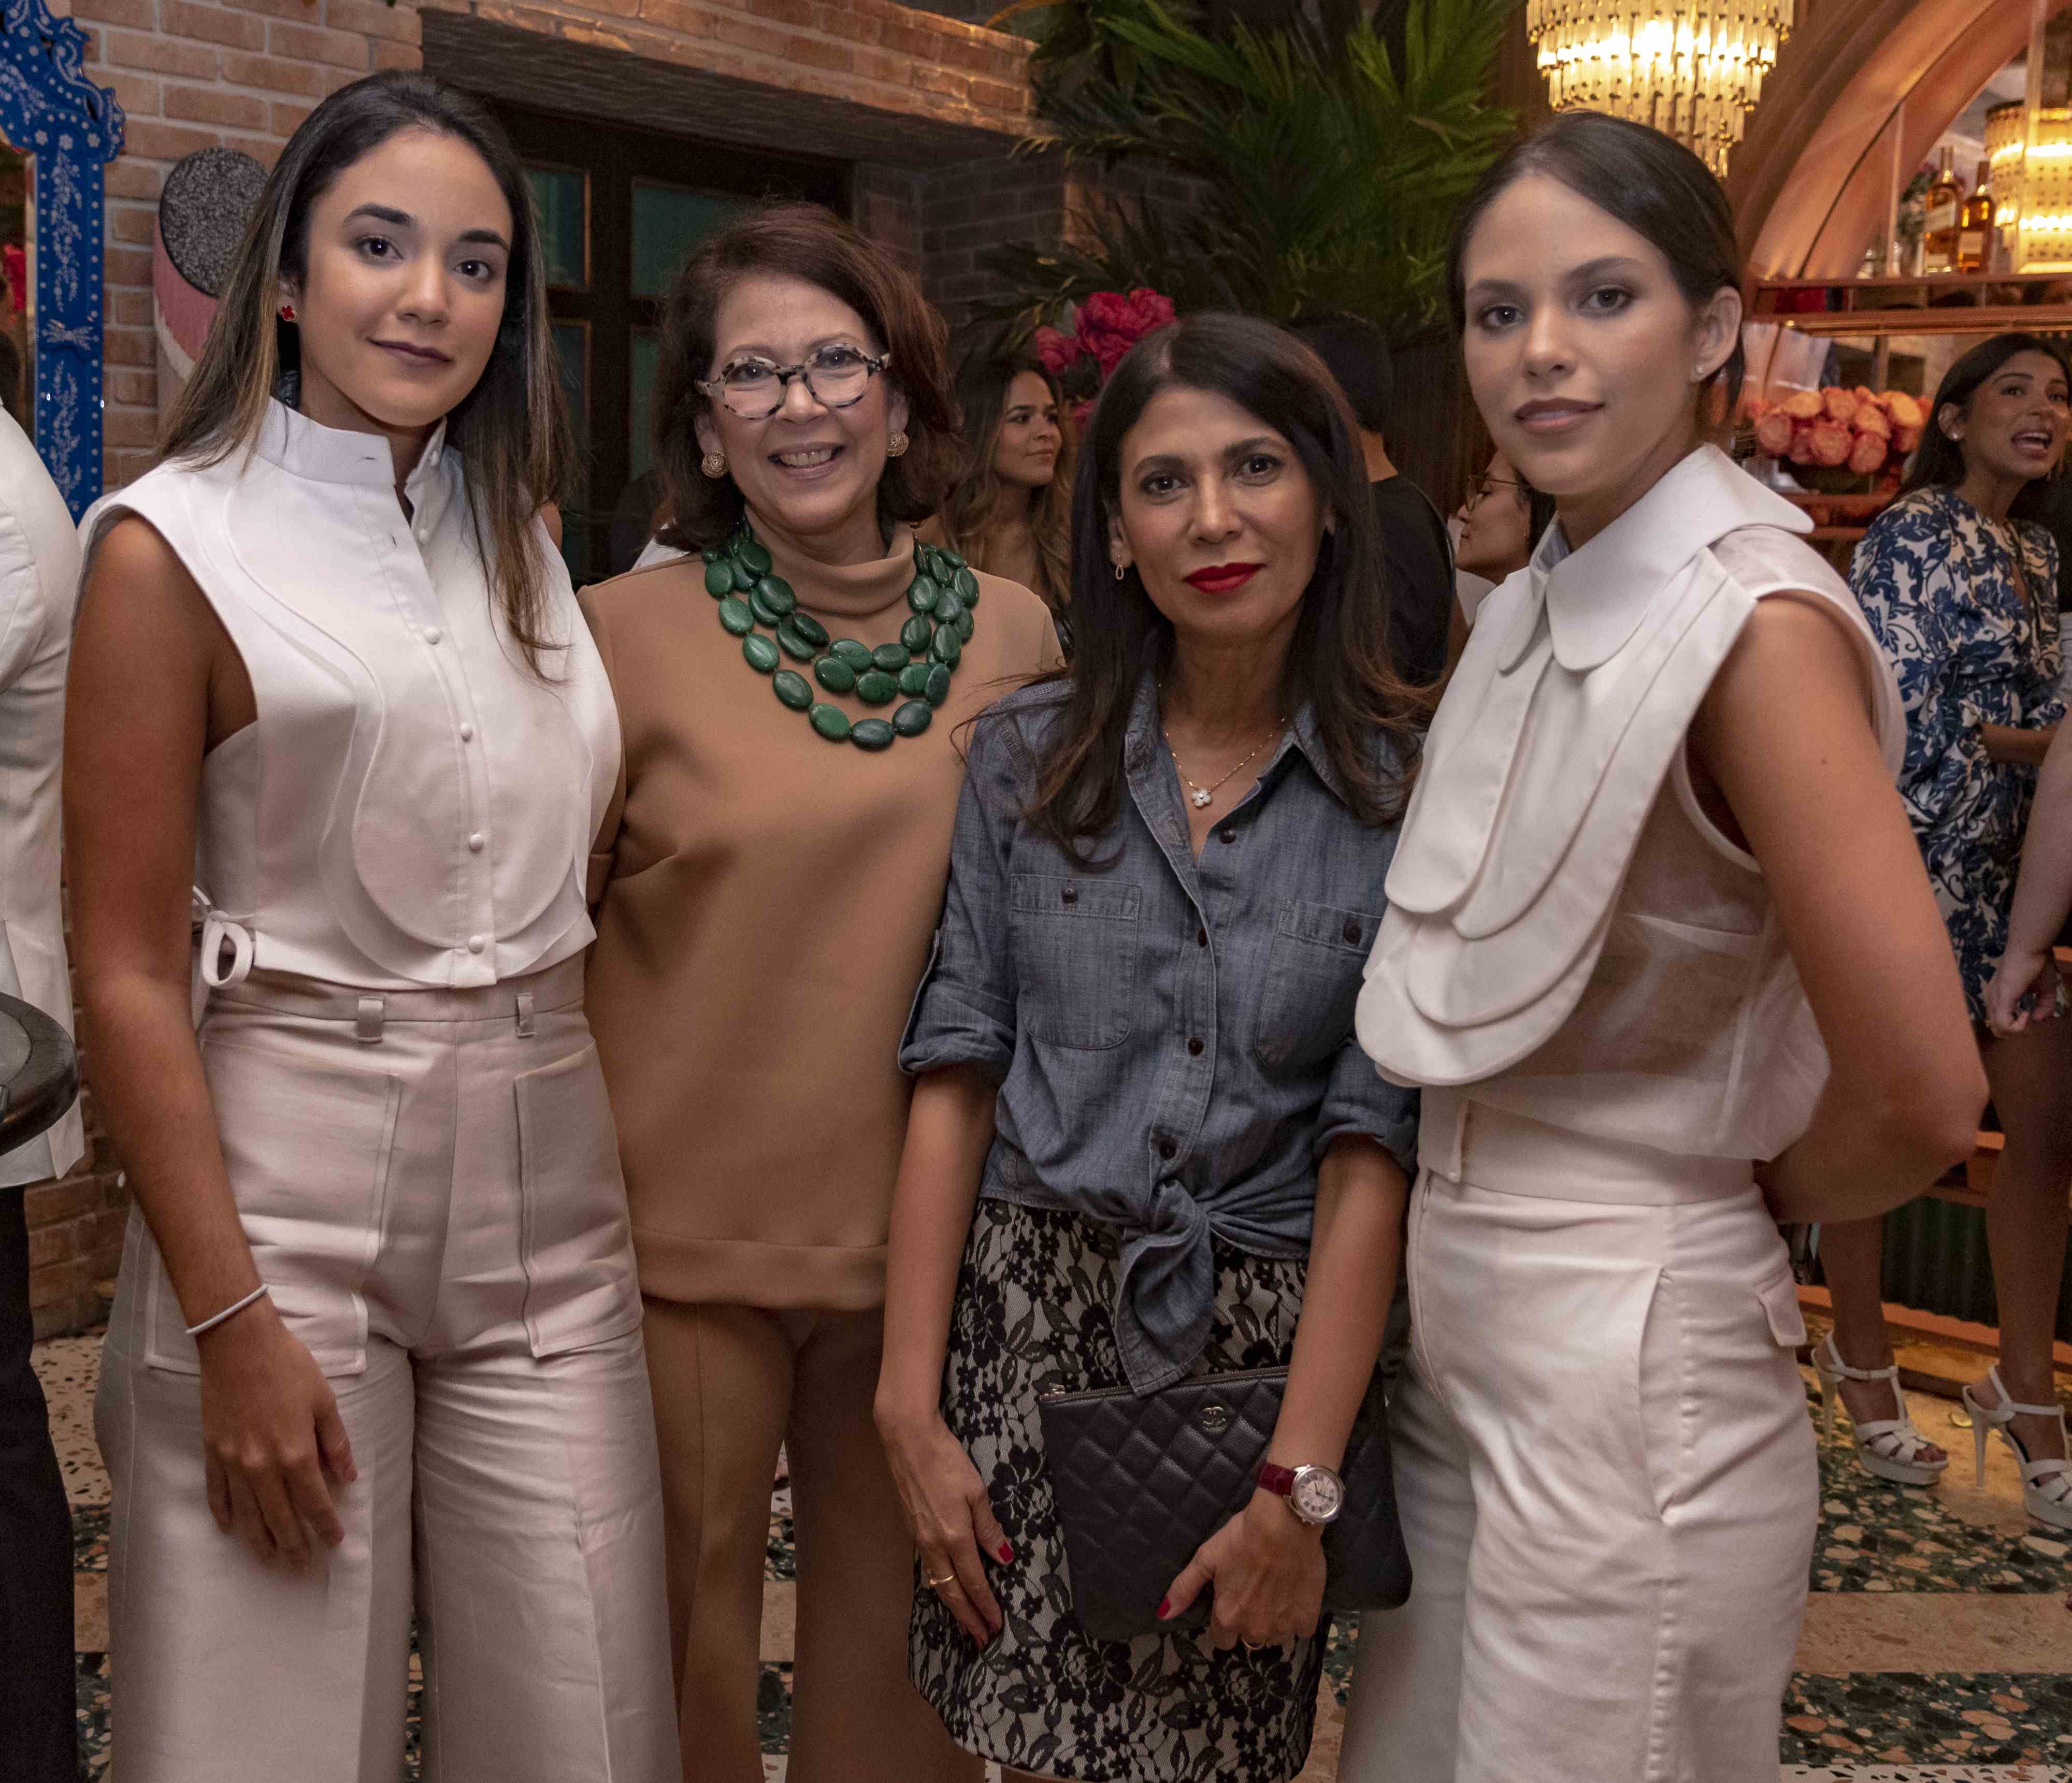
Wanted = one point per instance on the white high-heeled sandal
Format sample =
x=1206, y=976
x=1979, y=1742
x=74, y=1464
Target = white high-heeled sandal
x=1889, y=1447
x=2046, y=1485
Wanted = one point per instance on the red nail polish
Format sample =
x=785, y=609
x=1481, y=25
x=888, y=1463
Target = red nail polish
x=1006, y=1551
x=1165, y=1608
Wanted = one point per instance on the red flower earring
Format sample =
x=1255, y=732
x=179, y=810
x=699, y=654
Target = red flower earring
x=287, y=312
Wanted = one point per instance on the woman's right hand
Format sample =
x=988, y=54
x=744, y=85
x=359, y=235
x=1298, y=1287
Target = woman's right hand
x=2017, y=975
x=270, y=1432
x=951, y=1516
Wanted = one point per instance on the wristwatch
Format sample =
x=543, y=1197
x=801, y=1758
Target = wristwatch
x=1315, y=1494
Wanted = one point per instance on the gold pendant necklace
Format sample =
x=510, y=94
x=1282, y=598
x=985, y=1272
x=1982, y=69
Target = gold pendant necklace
x=1199, y=795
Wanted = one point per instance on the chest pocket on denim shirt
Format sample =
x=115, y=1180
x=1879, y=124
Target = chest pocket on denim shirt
x=1076, y=943
x=1313, y=980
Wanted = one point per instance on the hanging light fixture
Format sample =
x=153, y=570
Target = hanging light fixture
x=1692, y=69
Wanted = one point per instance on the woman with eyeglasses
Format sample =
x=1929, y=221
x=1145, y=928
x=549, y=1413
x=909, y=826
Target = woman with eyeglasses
x=768, y=880
x=1495, y=529
x=1501, y=521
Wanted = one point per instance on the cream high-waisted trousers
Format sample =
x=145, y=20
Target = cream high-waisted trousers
x=1605, y=1468
x=429, y=1182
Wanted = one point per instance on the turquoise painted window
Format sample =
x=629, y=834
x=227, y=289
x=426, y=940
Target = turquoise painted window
x=561, y=196
x=667, y=223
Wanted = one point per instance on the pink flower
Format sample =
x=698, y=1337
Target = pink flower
x=1081, y=413
x=1110, y=324
x=1149, y=310
x=1057, y=351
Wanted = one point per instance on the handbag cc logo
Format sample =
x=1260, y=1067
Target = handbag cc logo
x=1214, y=1419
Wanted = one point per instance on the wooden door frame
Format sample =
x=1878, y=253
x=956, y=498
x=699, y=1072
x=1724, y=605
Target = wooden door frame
x=613, y=158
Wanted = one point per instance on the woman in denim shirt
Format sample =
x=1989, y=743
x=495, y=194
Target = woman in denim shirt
x=1142, y=1121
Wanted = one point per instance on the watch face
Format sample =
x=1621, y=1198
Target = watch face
x=1317, y=1495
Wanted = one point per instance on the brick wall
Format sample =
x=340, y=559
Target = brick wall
x=192, y=73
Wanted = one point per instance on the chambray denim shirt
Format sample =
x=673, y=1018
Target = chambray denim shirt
x=1172, y=1039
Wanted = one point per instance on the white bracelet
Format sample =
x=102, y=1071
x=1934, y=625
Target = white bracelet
x=228, y=1311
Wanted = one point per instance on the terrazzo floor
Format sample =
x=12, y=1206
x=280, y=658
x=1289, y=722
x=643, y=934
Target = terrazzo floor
x=1937, y=1646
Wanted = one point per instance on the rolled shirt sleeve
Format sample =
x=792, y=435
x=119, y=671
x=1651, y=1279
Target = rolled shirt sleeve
x=1359, y=1101
x=964, y=1012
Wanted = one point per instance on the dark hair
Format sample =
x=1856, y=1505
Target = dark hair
x=1538, y=508
x=968, y=512
x=1357, y=354
x=512, y=429
x=1339, y=660
x=1939, y=461
x=1651, y=182
x=811, y=243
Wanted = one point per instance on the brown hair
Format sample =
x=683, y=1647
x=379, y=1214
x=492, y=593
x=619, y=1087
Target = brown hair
x=1651, y=184
x=511, y=430
x=983, y=382
x=1367, y=719
x=811, y=243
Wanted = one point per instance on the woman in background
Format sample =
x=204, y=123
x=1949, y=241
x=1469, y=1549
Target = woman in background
x=1497, y=526
x=1960, y=585
x=1010, y=514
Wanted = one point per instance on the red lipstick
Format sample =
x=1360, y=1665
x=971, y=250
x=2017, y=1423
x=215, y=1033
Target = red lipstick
x=1223, y=578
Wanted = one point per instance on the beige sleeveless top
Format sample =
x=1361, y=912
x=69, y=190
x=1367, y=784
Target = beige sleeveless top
x=1568, y=938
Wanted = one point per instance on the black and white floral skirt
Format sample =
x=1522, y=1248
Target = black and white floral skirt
x=1031, y=1317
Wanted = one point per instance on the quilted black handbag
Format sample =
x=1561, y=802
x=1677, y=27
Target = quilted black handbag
x=1142, y=1480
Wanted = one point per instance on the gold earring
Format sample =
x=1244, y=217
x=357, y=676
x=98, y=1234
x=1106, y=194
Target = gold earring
x=1121, y=570
x=714, y=464
x=895, y=446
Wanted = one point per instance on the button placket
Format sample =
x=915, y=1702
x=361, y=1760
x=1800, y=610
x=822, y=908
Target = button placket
x=414, y=570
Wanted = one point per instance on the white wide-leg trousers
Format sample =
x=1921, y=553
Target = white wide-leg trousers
x=430, y=1184
x=1606, y=1476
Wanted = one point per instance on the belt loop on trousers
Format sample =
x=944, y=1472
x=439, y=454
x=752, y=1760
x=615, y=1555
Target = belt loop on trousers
x=1442, y=1126
x=373, y=1013
x=525, y=1014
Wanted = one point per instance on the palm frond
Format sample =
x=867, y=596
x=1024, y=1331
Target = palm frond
x=1329, y=152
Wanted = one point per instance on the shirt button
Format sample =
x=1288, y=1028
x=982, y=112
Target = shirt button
x=1352, y=931
x=432, y=633
x=1069, y=895
x=475, y=843
x=1168, y=1149
x=1227, y=834
x=1200, y=938
x=476, y=943
x=467, y=733
x=1195, y=1045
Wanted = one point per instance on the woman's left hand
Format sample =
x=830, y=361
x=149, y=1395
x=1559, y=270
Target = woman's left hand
x=1267, y=1566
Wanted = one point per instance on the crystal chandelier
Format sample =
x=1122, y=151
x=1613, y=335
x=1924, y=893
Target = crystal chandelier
x=1691, y=68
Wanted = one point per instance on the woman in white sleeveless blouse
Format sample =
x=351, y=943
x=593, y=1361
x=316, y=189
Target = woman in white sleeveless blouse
x=376, y=1343
x=1661, y=952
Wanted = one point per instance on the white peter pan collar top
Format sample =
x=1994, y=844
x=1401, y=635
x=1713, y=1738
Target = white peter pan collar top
x=1568, y=936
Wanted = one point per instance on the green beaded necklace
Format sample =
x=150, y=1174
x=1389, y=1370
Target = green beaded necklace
x=941, y=596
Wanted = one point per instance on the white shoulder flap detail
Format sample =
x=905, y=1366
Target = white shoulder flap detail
x=1527, y=821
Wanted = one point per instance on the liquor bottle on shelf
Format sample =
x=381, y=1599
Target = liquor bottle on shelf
x=1975, y=225
x=1943, y=225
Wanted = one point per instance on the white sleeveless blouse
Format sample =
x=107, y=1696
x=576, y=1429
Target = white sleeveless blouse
x=414, y=806
x=1567, y=933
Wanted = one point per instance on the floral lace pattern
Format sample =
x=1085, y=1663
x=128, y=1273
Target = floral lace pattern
x=1032, y=1316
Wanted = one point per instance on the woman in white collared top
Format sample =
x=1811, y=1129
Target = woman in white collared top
x=330, y=672
x=1656, y=861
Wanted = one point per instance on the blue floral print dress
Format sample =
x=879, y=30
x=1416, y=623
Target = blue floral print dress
x=1965, y=608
